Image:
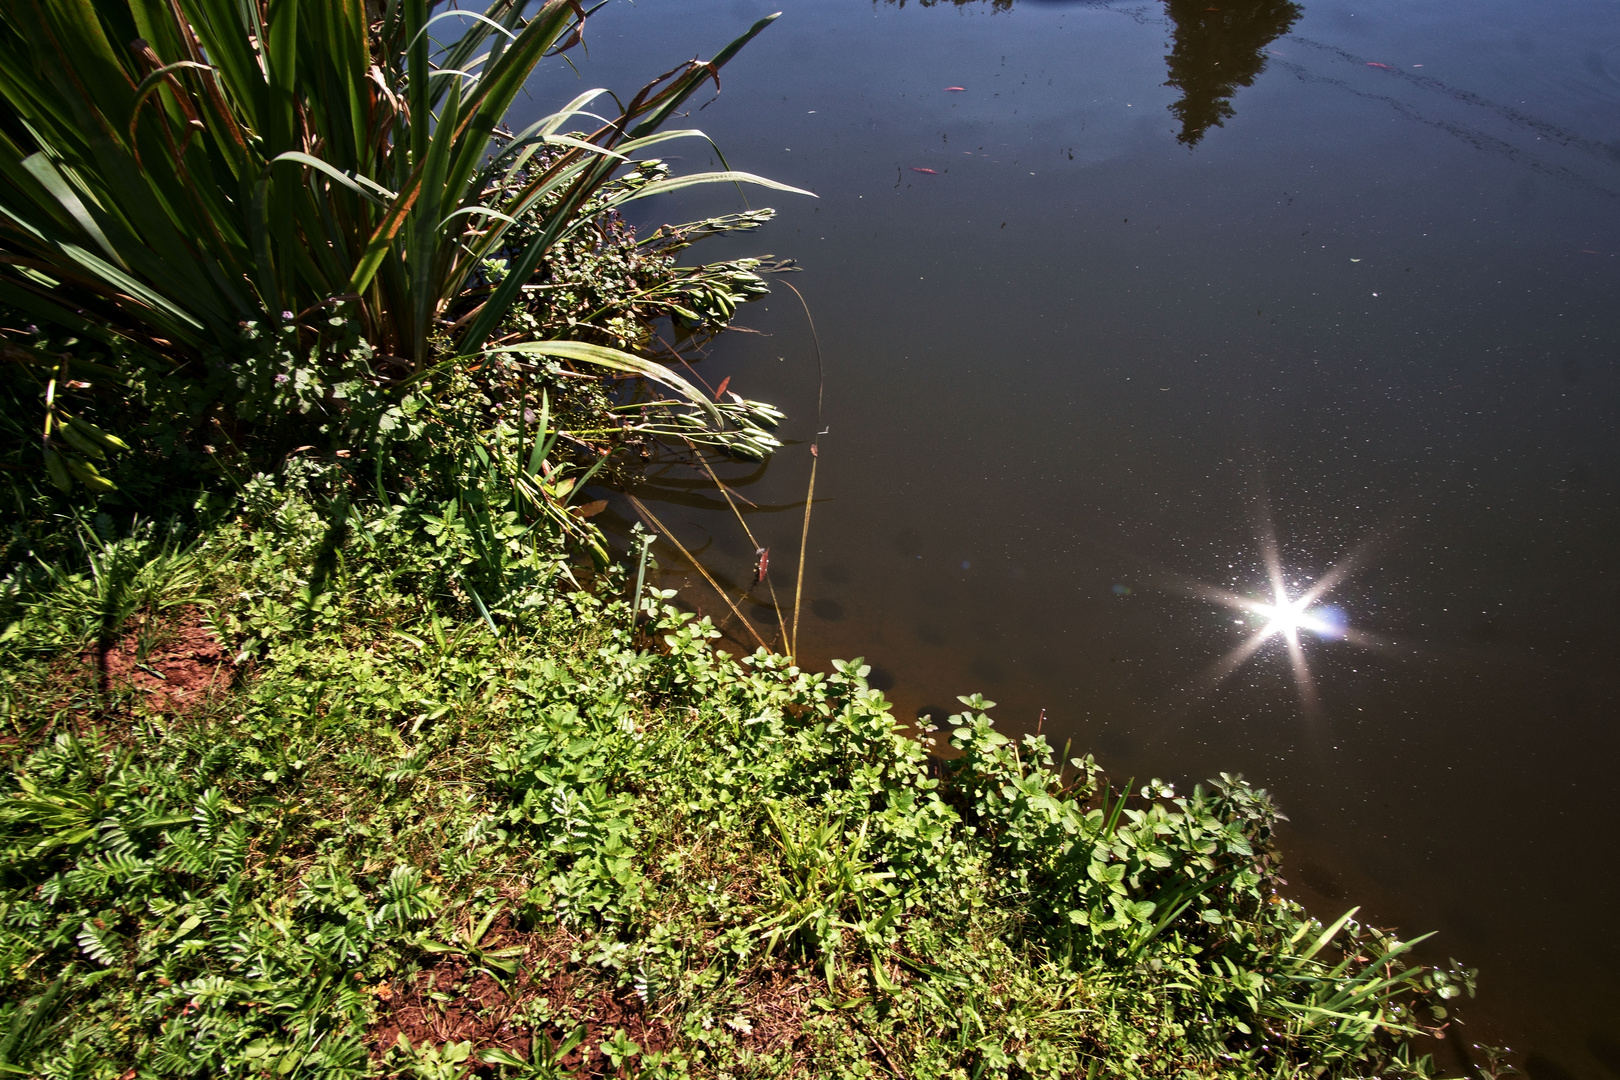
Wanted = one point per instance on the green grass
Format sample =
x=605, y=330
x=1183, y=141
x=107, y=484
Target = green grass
x=431, y=834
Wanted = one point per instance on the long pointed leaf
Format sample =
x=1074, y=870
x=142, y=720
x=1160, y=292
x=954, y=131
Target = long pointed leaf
x=676, y=183
x=616, y=360
x=52, y=180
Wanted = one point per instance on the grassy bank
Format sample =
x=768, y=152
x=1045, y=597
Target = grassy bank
x=284, y=796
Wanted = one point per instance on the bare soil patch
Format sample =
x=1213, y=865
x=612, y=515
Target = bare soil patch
x=177, y=663
x=450, y=1000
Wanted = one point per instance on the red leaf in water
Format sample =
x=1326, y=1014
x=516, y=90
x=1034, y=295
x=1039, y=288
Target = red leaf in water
x=919, y=168
x=763, y=565
x=725, y=382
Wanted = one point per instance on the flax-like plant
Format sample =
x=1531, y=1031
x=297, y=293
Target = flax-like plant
x=172, y=170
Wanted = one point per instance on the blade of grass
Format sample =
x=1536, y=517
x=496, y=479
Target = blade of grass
x=1300, y=961
x=641, y=578
x=541, y=444
x=482, y=610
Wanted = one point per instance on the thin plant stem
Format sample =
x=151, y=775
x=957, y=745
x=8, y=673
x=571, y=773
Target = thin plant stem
x=815, y=456
x=652, y=519
x=804, y=540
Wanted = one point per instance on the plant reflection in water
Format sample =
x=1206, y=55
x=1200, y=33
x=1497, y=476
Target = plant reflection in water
x=1215, y=50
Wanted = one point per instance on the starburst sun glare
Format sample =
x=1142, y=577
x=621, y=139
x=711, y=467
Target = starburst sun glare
x=1294, y=609
x=1286, y=618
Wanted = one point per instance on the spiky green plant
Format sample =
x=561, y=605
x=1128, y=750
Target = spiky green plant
x=172, y=172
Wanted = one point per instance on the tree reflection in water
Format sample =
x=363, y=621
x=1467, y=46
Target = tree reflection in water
x=1214, y=51
x=1216, y=48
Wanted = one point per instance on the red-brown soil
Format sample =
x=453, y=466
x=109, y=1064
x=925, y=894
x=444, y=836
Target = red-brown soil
x=176, y=663
x=448, y=1001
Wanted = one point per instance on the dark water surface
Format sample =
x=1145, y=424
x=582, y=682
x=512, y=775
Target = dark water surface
x=1350, y=268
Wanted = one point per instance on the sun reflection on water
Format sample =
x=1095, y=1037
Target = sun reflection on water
x=1289, y=610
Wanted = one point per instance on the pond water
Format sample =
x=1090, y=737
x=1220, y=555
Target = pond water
x=1165, y=287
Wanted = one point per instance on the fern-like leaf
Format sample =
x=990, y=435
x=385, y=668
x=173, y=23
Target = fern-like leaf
x=99, y=944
